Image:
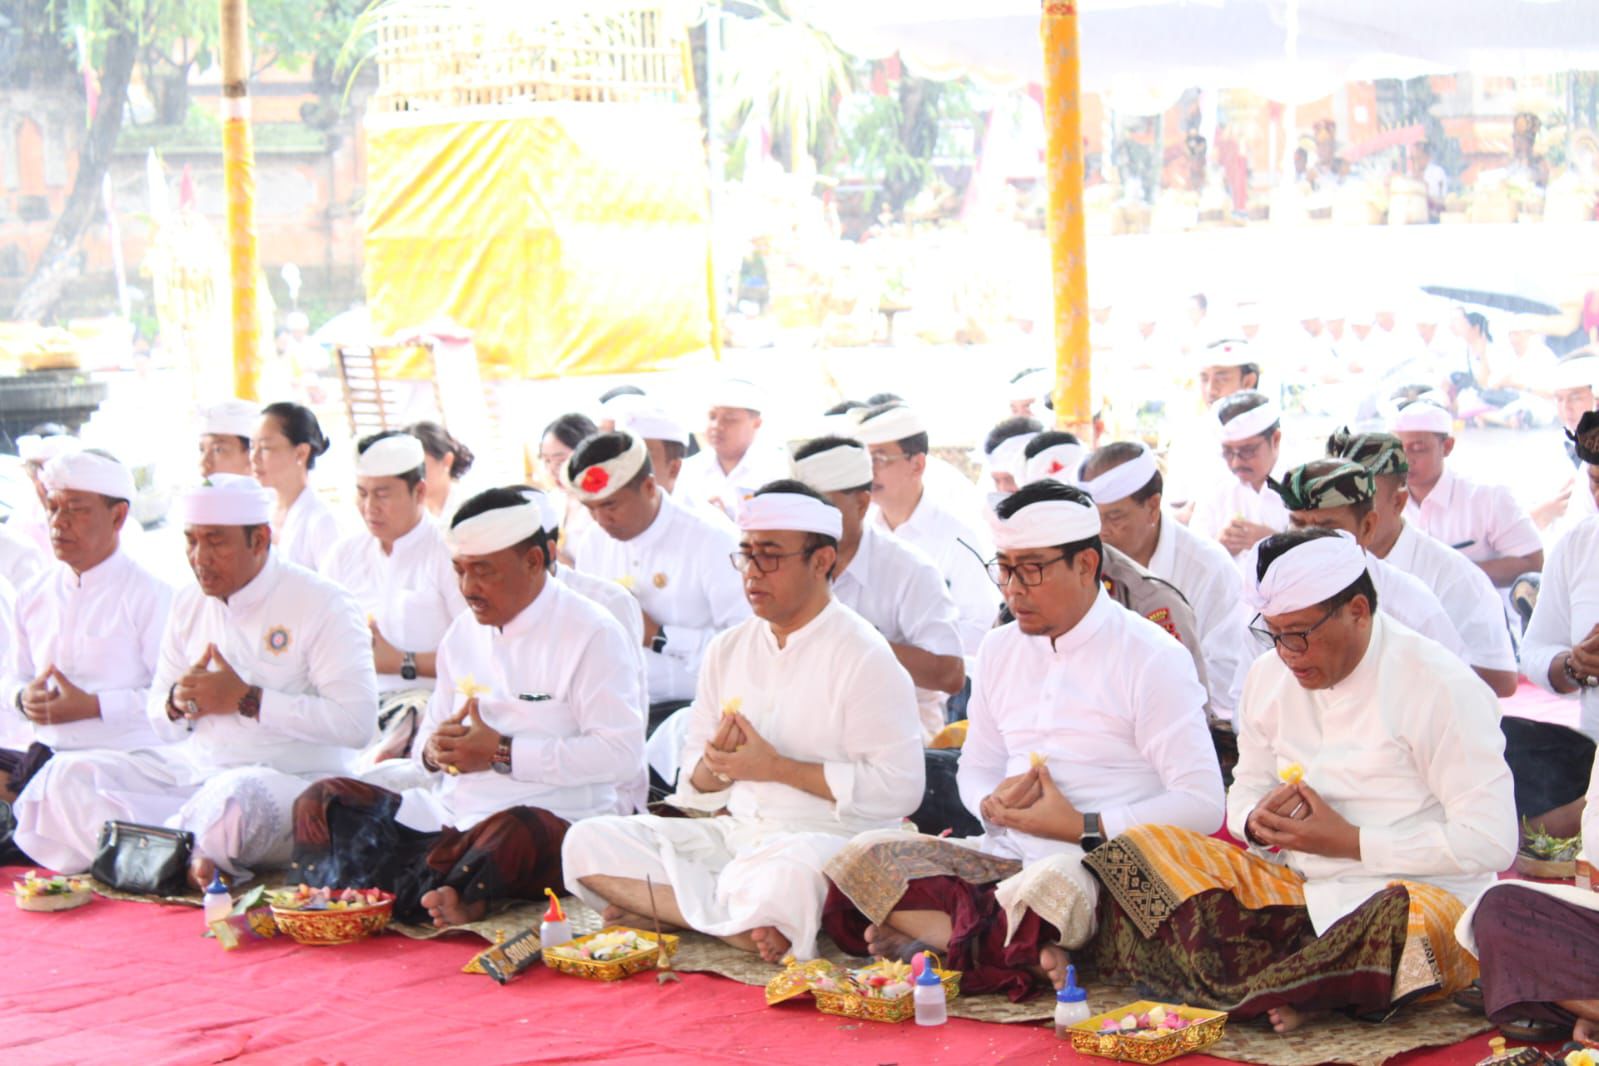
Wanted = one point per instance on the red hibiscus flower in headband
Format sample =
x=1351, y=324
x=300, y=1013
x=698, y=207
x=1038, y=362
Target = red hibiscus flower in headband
x=1056, y=466
x=594, y=480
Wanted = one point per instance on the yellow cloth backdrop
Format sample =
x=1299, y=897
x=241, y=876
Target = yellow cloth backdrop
x=570, y=238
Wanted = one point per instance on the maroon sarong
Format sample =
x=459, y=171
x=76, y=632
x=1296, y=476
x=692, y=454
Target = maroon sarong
x=1536, y=951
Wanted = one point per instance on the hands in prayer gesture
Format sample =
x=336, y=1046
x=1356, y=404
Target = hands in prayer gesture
x=386, y=658
x=1031, y=803
x=1585, y=656
x=463, y=741
x=1239, y=536
x=50, y=699
x=738, y=753
x=1295, y=817
x=210, y=687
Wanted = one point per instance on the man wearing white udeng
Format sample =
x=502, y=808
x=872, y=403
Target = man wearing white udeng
x=265, y=681
x=803, y=732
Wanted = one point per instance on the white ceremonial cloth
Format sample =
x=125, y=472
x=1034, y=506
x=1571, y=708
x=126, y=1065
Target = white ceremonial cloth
x=938, y=533
x=1567, y=611
x=680, y=571
x=102, y=629
x=1458, y=510
x=833, y=694
x=308, y=532
x=411, y=593
x=703, y=481
x=1407, y=748
x=624, y=608
x=896, y=588
x=554, y=687
x=1468, y=597
x=1205, y=574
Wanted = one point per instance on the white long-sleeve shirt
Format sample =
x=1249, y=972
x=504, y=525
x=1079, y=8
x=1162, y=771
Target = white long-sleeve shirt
x=411, y=592
x=703, y=483
x=681, y=571
x=833, y=694
x=1226, y=500
x=305, y=642
x=559, y=687
x=1485, y=520
x=1117, y=710
x=624, y=609
x=1407, y=748
x=20, y=558
x=1205, y=574
x=959, y=550
x=1403, y=597
x=308, y=532
x=102, y=630
x=1468, y=597
x=1567, y=611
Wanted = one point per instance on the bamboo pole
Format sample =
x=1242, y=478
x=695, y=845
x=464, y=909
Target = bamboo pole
x=238, y=175
x=1067, y=241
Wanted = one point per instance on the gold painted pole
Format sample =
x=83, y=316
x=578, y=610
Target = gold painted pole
x=238, y=176
x=1064, y=213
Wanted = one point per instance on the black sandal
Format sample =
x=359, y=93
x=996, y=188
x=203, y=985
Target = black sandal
x=1470, y=998
x=1534, y=1032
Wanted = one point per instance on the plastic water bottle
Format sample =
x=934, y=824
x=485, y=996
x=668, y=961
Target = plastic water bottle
x=218, y=904
x=931, y=1008
x=554, y=929
x=1071, y=1004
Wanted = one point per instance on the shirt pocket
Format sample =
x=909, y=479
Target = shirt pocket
x=553, y=718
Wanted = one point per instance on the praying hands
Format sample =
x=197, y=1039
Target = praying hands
x=1031, y=803
x=211, y=686
x=1296, y=818
x=744, y=754
x=50, y=699
x=1239, y=535
x=463, y=743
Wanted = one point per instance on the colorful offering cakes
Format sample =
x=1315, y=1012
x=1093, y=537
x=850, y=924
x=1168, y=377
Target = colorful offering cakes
x=608, y=946
x=331, y=916
x=306, y=898
x=35, y=892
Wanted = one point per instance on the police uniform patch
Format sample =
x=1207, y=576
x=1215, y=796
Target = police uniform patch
x=1161, y=616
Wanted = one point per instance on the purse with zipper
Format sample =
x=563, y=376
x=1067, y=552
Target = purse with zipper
x=146, y=859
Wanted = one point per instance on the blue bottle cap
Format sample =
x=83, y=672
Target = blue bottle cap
x=216, y=884
x=927, y=976
x=1071, y=992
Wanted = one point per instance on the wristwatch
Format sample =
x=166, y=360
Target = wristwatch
x=502, y=757
x=658, y=642
x=408, y=665
x=1093, y=835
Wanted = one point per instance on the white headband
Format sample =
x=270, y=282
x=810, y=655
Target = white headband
x=88, y=472
x=602, y=480
x=1120, y=482
x=790, y=511
x=1030, y=386
x=1252, y=423
x=230, y=418
x=35, y=449
x=1224, y=353
x=390, y=457
x=1045, y=524
x=496, y=530
x=1306, y=574
x=549, y=517
x=653, y=424
x=1575, y=372
x=1058, y=462
x=1423, y=417
x=1008, y=456
x=894, y=424
x=841, y=467
x=735, y=392
x=227, y=500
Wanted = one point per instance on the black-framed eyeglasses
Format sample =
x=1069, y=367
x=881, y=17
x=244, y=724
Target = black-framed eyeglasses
x=765, y=562
x=1296, y=641
x=1031, y=575
x=1243, y=454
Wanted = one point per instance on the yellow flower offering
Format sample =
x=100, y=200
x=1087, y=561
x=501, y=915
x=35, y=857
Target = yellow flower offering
x=469, y=687
x=1036, y=759
x=1584, y=1057
x=732, y=706
x=626, y=581
x=1291, y=774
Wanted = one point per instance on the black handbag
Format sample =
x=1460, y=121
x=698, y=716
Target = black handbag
x=147, y=859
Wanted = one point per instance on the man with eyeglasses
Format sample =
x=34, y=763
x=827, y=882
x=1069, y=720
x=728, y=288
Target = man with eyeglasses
x=803, y=733
x=1373, y=792
x=1244, y=509
x=1085, y=721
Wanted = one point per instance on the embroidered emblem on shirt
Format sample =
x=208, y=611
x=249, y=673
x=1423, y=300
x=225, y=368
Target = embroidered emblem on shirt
x=659, y=581
x=1161, y=616
x=278, y=640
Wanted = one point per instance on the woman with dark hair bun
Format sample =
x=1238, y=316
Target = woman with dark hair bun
x=283, y=452
x=446, y=461
x=556, y=445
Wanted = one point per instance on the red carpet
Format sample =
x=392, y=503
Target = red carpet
x=119, y=983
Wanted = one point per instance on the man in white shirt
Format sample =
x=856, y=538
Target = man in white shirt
x=264, y=685
x=87, y=632
x=1468, y=597
x=1574, y=384
x=398, y=569
x=1002, y=451
x=896, y=439
x=531, y=728
x=804, y=733
x=1053, y=454
x=886, y=581
x=735, y=460
x=673, y=561
x=1128, y=488
x=1060, y=754
x=1220, y=369
x=1482, y=521
x=1244, y=509
x=666, y=441
x=225, y=432
x=1372, y=789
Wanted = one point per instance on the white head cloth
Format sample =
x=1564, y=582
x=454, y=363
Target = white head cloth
x=841, y=467
x=1575, y=372
x=1229, y=352
x=623, y=404
x=790, y=511
x=1009, y=455
x=1032, y=385
x=227, y=500
x=653, y=423
x=496, y=530
x=88, y=472
x=1044, y=524
x=602, y=480
x=892, y=424
x=1422, y=416
x=1120, y=482
x=390, y=457
x=230, y=418
x=36, y=449
x=549, y=514
x=1058, y=462
x=1252, y=423
x=735, y=392
x=1304, y=575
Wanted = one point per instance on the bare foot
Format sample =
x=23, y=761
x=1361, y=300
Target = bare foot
x=614, y=915
x=772, y=945
x=1286, y=1019
x=201, y=870
x=886, y=942
x=1586, y=1032
x=446, y=908
x=1053, y=961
